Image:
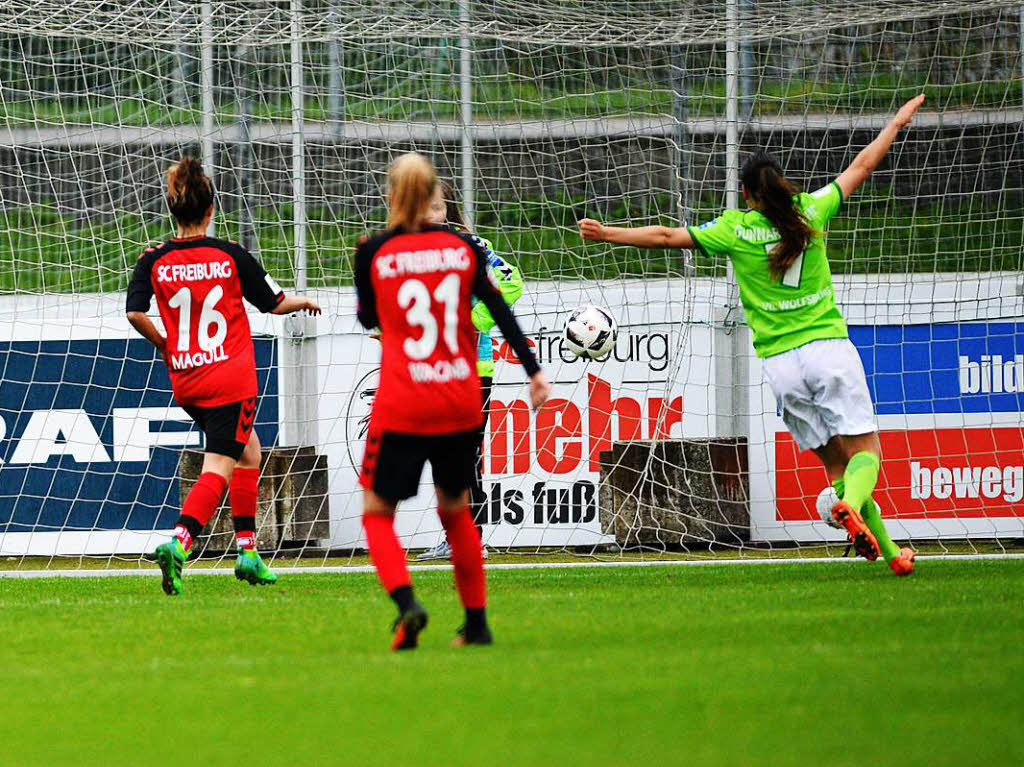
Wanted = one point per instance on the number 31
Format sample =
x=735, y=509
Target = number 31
x=415, y=298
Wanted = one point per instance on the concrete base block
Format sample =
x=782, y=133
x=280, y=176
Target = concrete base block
x=675, y=493
x=292, y=507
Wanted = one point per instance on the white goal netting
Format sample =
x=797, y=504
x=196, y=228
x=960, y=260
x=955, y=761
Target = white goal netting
x=540, y=113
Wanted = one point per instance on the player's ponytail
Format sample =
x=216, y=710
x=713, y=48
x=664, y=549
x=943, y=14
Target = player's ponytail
x=411, y=183
x=776, y=197
x=189, y=191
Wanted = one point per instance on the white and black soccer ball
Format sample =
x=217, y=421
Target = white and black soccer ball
x=827, y=498
x=590, y=331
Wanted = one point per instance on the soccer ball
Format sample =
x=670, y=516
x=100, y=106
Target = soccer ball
x=590, y=332
x=827, y=498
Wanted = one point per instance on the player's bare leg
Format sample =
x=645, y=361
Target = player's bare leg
x=243, y=494
x=468, y=563
x=389, y=559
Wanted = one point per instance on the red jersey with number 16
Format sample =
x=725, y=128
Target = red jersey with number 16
x=199, y=284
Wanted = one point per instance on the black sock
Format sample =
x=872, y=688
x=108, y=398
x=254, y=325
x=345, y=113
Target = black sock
x=476, y=620
x=403, y=598
x=193, y=525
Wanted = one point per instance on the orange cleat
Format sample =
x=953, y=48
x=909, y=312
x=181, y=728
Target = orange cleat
x=864, y=542
x=904, y=563
x=407, y=628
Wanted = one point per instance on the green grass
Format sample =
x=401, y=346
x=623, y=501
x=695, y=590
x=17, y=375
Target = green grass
x=719, y=665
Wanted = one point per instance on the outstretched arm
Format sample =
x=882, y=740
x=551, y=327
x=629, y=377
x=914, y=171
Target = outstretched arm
x=291, y=304
x=641, y=236
x=865, y=162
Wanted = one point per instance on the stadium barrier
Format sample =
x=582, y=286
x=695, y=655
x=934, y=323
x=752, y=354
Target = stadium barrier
x=90, y=437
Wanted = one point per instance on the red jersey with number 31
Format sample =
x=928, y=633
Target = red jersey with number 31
x=419, y=287
x=199, y=284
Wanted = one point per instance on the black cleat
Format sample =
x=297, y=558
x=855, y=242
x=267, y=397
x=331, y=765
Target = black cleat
x=407, y=628
x=463, y=637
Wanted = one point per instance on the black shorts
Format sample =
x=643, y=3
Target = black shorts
x=227, y=427
x=393, y=462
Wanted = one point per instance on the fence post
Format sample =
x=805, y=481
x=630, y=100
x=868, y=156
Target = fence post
x=206, y=89
x=245, y=156
x=298, y=149
x=466, y=171
x=732, y=375
x=681, y=170
x=335, y=72
x=746, y=65
x=298, y=351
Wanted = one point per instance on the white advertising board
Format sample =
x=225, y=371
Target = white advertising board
x=540, y=469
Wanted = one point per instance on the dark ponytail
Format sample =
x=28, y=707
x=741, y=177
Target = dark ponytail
x=762, y=177
x=189, y=191
x=453, y=214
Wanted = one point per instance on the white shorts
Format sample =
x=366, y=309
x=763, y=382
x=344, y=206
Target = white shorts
x=821, y=391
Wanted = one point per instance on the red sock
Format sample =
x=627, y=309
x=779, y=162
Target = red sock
x=243, y=492
x=386, y=552
x=467, y=558
x=182, y=534
x=200, y=503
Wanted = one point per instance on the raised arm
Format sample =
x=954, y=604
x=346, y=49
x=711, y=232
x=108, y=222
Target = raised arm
x=640, y=236
x=865, y=162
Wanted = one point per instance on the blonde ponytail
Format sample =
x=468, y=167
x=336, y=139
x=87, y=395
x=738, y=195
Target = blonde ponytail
x=411, y=183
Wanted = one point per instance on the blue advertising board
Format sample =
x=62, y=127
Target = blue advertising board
x=90, y=434
x=966, y=367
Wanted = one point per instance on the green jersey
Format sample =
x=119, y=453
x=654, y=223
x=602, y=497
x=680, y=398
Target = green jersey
x=799, y=308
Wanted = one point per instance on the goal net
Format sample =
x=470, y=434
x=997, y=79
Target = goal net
x=539, y=113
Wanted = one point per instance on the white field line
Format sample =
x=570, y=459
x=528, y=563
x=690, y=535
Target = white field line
x=299, y=570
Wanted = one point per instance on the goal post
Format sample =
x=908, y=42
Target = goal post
x=539, y=113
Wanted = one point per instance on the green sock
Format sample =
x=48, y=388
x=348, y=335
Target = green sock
x=860, y=478
x=873, y=519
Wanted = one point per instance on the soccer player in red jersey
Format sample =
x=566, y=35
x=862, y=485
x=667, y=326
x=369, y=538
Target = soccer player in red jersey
x=199, y=283
x=415, y=281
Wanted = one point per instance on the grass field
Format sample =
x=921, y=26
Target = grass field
x=798, y=664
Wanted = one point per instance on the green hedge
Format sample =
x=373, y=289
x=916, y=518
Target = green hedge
x=41, y=251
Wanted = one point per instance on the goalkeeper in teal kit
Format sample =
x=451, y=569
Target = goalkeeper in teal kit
x=510, y=283
x=778, y=255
